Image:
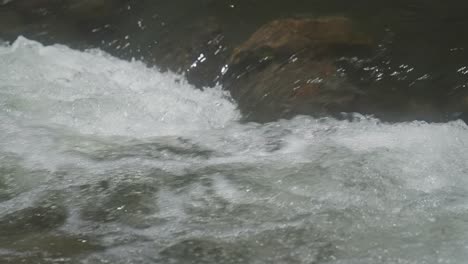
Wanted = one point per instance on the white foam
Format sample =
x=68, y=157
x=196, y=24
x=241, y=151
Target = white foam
x=61, y=109
x=94, y=93
x=46, y=88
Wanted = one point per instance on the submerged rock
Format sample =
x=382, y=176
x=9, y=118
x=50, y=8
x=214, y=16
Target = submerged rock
x=319, y=36
x=328, y=66
x=288, y=67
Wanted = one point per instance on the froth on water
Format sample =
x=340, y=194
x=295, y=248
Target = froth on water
x=107, y=161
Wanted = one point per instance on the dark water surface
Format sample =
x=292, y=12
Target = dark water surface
x=105, y=160
x=426, y=36
x=421, y=53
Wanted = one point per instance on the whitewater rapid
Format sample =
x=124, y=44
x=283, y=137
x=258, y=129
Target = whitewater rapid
x=109, y=161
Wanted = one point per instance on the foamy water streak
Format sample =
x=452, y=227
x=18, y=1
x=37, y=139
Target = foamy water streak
x=107, y=161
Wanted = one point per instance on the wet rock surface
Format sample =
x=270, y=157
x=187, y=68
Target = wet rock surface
x=318, y=36
x=288, y=67
x=326, y=67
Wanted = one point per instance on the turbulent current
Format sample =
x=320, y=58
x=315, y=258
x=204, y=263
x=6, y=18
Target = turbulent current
x=109, y=161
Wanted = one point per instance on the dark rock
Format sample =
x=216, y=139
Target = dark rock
x=319, y=35
x=317, y=67
x=288, y=67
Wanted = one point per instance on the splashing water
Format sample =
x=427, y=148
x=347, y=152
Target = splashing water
x=107, y=161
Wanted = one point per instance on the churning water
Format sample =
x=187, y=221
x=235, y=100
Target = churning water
x=108, y=161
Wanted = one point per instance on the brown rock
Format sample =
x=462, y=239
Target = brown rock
x=298, y=34
x=287, y=67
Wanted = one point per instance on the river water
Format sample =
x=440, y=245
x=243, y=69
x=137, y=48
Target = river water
x=109, y=161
